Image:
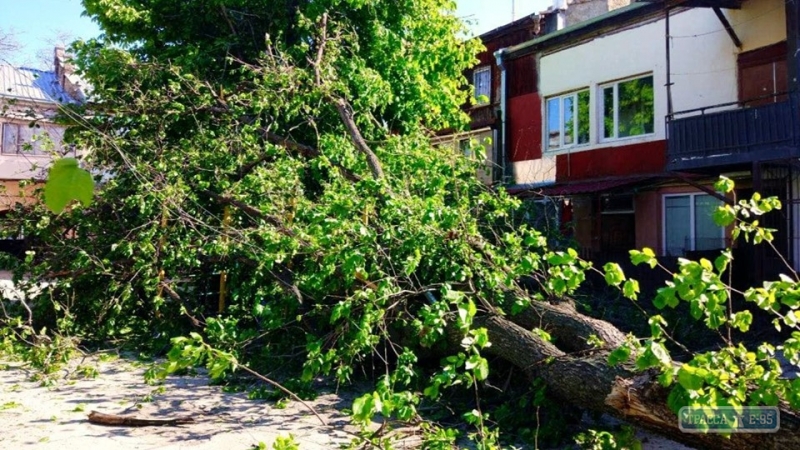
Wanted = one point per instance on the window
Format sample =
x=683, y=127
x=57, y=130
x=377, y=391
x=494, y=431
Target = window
x=628, y=108
x=30, y=140
x=568, y=120
x=482, y=80
x=476, y=145
x=688, y=224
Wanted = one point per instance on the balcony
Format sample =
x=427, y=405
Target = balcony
x=764, y=129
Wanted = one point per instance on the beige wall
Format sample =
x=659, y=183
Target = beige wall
x=11, y=194
x=28, y=166
x=758, y=23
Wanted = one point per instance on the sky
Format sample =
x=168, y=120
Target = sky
x=490, y=14
x=38, y=25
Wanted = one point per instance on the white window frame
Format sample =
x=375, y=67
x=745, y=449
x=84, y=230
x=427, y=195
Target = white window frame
x=43, y=128
x=561, y=131
x=487, y=70
x=692, y=220
x=602, y=109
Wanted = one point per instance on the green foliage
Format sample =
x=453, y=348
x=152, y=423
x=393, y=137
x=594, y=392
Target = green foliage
x=734, y=375
x=607, y=440
x=44, y=353
x=285, y=443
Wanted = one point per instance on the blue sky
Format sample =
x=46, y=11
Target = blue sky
x=490, y=14
x=39, y=24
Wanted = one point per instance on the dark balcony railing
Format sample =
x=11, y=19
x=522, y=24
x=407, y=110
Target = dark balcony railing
x=769, y=131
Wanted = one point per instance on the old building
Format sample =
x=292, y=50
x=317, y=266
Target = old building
x=29, y=135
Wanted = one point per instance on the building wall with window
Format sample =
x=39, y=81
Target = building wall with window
x=609, y=92
x=604, y=104
x=485, y=122
x=477, y=145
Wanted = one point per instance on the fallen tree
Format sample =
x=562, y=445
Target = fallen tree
x=267, y=184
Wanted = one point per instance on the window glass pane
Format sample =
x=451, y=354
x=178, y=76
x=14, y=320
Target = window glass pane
x=553, y=123
x=26, y=143
x=677, y=225
x=9, y=138
x=707, y=235
x=569, y=120
x=635, y=107
x=465, y=148
x=583, y=117
x=608, y=112
x=482, y=81
x=49, y=139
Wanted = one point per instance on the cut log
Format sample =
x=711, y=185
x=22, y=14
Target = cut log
x=99, y=418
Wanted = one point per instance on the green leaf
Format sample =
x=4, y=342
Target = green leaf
x=618, y=356
x=691, y=378
x=363, y=407
x=742, y=320
x=432, y=391
x=646, y=256
x=724, y=184
x=66, y=182
x=677, y=399
x=479, y=366
x=722, y=261
x=614, y=274
x=630, y=289
x=660, y=352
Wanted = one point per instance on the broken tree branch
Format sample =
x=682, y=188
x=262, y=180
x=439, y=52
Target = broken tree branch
x=99, y=418
x=346, y=114
x=637, y=397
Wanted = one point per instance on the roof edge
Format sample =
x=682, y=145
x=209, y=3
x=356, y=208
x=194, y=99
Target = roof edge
x=588, y=28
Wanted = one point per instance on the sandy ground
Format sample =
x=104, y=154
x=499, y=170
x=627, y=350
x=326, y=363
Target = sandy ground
x=36, y=417
x=55, y=418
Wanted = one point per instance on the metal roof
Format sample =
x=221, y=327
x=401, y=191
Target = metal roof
x=31, y=84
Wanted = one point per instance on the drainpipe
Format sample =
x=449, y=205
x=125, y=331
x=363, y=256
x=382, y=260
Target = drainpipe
x=669, y=64
x=501, y=142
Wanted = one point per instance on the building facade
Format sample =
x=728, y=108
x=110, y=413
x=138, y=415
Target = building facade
x=628, y=118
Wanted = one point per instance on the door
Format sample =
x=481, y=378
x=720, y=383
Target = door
x=763, y=74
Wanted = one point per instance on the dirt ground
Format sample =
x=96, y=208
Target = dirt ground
x=55, y=418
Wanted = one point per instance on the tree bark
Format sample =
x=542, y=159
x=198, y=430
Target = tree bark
x=570, y=329
x=589, y=382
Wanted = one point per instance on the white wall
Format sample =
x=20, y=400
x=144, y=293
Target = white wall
x=535, y=172
x=703, y=62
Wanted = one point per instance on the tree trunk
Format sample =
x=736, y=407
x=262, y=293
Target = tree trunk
x=589, y=382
